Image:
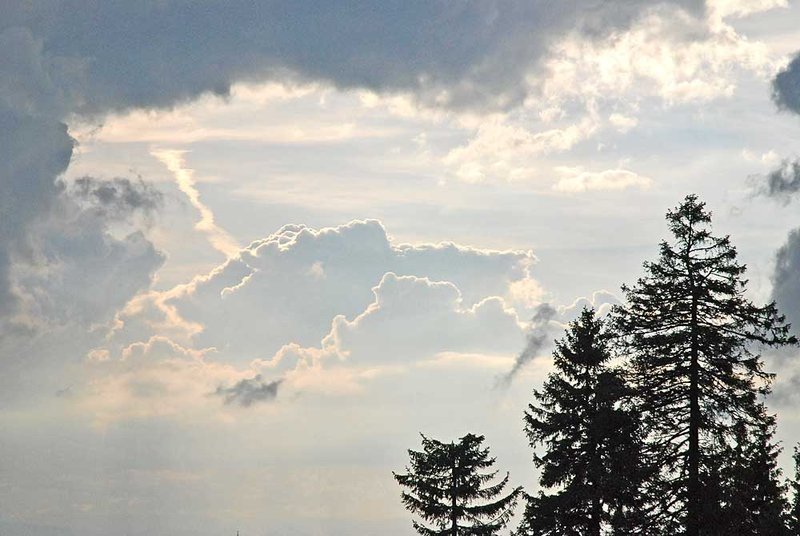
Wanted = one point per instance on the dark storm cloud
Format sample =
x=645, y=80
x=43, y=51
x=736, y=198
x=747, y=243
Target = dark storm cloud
x=784, y=183
x=119, y=54
x=249, y=391
x=62, y=58
x=32, y=152
x=786, y=87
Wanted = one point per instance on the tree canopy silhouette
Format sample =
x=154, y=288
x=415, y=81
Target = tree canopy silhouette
x=793, y=514
x=451, y=488
x=653, y=422
x=693, y=336
x=591, y=439
x=752, y=500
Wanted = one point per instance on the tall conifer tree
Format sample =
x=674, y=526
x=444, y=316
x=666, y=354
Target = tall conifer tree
x=793, y=520
x=450, y=486
x=590, y=441
x=693, y=336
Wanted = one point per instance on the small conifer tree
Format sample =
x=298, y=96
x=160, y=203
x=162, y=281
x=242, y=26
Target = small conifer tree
x=451, y=488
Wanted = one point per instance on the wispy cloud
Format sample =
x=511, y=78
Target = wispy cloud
x=184, y=177
x=576, y=179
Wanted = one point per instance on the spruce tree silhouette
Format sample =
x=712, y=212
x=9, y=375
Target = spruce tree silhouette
x=793, y=515
x=693, y=337
x=752, y=497
x=591, y=439
x=450, y=489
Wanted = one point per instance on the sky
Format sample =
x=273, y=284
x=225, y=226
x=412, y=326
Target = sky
x=250, y=251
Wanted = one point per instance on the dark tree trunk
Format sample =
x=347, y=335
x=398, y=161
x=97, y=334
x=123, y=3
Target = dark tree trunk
x=693, y=485
x=454, y=514
x=594, y=528
x=594, y=469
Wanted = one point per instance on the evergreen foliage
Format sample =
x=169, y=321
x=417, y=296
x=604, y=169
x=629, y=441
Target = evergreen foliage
x=793, y=515
x=673, y=440
x=450, y=487
x=591, y=439
x=691, y=333
x=753, y=501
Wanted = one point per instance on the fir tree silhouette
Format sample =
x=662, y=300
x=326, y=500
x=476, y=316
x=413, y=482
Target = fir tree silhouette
x=450, y=487
x=693, y=335
x=591, y=440
x=793, y=514
x=753, y=497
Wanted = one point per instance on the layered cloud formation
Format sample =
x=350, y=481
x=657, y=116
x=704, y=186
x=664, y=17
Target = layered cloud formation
x=71, y=59
x=287, y=287
x=74, y=270
x=324, y=312
x=304, y=303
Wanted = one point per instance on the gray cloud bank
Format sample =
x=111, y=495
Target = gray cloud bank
x=74, y=268
x=68, y=60
x=783, y=183
x=786, y=294
x=92, y=57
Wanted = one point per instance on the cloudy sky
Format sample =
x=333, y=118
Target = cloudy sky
x=249, y=250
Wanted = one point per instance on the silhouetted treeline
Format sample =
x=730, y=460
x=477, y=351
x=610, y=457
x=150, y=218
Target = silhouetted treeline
x=653, y=421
